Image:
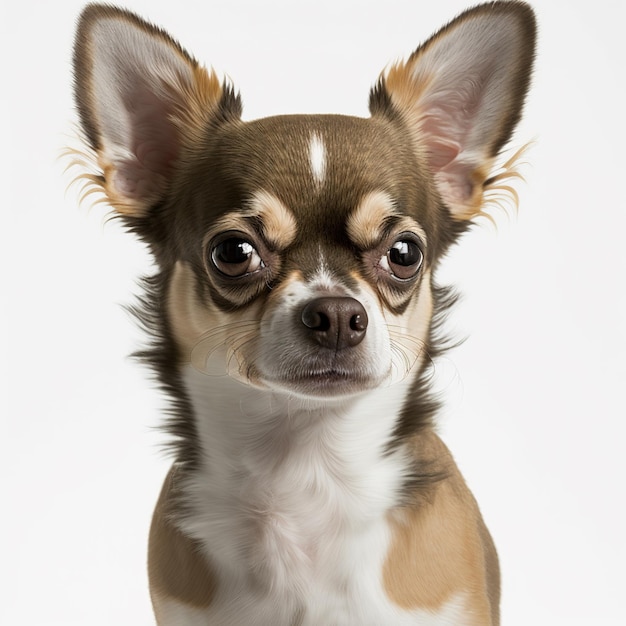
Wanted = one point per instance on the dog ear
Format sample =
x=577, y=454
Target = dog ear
x=142, y=101
x=461, y=95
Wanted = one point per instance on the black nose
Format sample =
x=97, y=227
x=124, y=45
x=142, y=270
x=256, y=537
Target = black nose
x=334, y=322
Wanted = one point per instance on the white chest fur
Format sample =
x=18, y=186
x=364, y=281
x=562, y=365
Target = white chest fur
x=291, y=506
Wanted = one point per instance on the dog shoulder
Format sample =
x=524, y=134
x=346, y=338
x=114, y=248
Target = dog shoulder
x=440, y=547
x=177, y=569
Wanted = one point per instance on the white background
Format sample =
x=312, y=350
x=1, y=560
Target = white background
x=536, y=394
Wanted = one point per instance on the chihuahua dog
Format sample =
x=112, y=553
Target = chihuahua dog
x=295, y=317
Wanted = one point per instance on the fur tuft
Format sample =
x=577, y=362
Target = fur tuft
x=89, y=180
x=161, y=356
x=424, y=404
x=499, y=192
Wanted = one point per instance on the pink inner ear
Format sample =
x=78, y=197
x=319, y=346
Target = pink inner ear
x=447, y=121
x=455, y=183
x=444, y=131
x=154, y=144
x=441, y=152
x=133, y=182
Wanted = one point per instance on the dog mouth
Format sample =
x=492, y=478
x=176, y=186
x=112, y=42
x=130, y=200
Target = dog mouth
x=328, y=382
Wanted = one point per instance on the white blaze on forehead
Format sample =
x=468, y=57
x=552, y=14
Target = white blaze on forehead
x=317, y=158
x=323, y=278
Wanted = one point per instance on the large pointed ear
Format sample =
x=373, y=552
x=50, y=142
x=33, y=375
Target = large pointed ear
x=461, y=95
x=142, y=101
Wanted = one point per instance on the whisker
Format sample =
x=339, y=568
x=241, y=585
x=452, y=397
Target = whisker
x=226, y=330
x=406, y=350
x=236, y=350
x=231, y=337
x=404, y=366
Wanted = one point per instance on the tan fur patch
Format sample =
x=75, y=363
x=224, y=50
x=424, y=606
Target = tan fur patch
x=195, y=109
x=213, y=342
x=187, y=317
x=366, y=224
x=409, y=332
x=176, y=568
x=279, y=224
x=438, y=547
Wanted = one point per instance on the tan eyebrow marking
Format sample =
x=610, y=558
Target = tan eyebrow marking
x=366, y=225
x=278, y=225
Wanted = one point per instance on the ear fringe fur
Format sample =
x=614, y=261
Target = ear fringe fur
x=89, y=179
x=499, y=191
x=81, y=165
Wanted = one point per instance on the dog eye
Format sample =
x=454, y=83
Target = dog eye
x=403, y=259
x=236, y=257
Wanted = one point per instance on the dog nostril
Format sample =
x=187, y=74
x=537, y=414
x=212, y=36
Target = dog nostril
x=335, y=322
x=315, y=320
x=358, y=322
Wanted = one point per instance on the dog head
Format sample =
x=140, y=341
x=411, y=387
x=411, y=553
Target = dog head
x=297, y=253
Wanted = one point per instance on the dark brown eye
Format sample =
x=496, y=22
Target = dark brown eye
x=235, y=257
x=404, y=258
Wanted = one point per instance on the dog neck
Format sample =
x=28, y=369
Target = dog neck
x=258, y=433
x=286, y=478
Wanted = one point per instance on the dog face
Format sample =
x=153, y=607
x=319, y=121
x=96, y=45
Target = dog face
x=297, y=252
x=299, y=281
